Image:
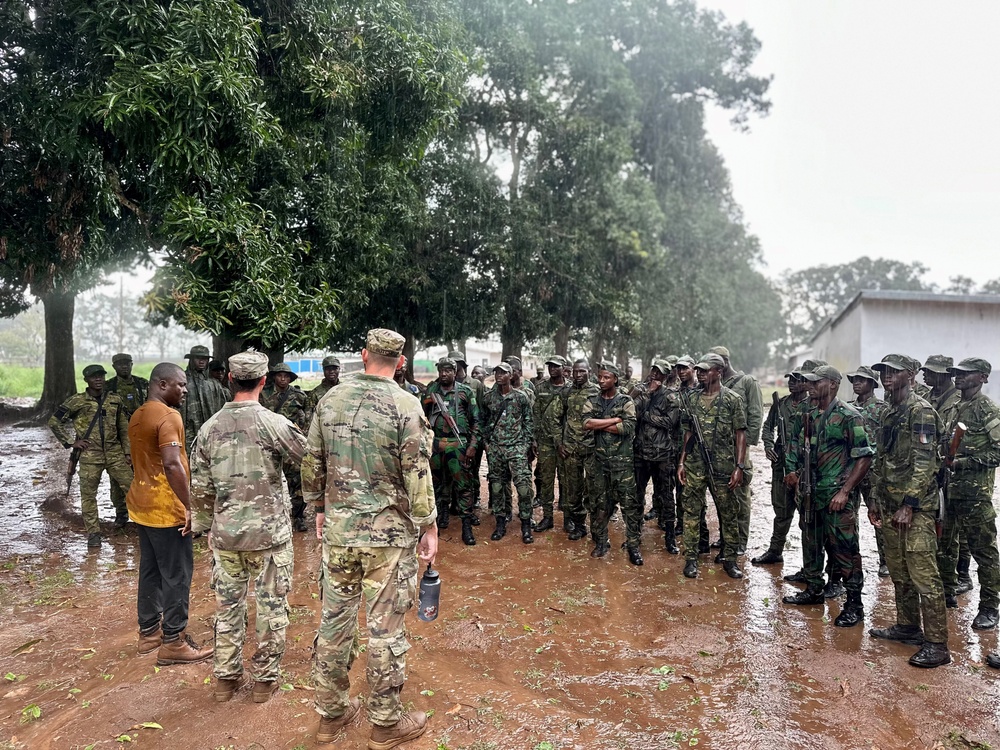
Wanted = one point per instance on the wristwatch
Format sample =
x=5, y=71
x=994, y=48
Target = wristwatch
x=741, y=467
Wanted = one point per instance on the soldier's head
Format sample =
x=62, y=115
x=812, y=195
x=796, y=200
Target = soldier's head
x=897, y=371
x=248, y=372
x=283, y=376
x=685, y=370
x=515, y=366
x=168, y=384
x=331, y=370
x=122, y=363
x=555, y=365
x=628, y=372
x=198, y=358
x=970, y=375
x=710, y=369
x=94, y=376
x=581, y=372
x=217, y=370
x=607, y=377
x=502, y=374
x=863, y=381
x=936, y=371
x=567, y=371
x=447, y=368
x=479, y=373
x=383, y=352
x=660, y=370
x=823, y=383
x=723, y=352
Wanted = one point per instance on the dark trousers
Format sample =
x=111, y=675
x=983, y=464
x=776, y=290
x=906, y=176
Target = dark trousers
x=166, y=562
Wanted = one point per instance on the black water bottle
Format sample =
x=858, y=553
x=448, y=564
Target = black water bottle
x=430, y=595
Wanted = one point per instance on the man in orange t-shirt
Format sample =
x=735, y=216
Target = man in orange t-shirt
x=159, y=504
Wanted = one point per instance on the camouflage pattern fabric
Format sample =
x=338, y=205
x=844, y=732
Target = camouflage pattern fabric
x=611, y=470
x=236, y=487
x=749, y=389
x=912, y=561
x=205, y=396
x=387, y=578
x=119, y=472
x=662, y=474
x=695, y=505
x=312, y=398
x=658, y=417
x=579, y=445
x=782, y=498
x=871, y=411
x=291, y=406
x=548, y=413
x=449, y=473
x=508, y=429
x=271, y=572
x=133, y=394
x=477, y=462
x=945, y=403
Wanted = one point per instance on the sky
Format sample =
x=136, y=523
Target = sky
x=883, y=135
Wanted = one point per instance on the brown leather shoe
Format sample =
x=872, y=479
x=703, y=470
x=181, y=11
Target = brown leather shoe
x=149, y=642
x=226, y=688
x=262, y=691
x=409, y=727
x=330, y=728
x=182, y=650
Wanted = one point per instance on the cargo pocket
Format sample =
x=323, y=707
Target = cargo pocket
x=919, y=540
x=396, y=672
x=278, y=621
x=283, y=558
x=406, y=584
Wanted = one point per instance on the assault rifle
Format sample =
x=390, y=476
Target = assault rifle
x=805, y=486
x=944, y=475
x=74, y=455
x=706, y=455
x=448, y=418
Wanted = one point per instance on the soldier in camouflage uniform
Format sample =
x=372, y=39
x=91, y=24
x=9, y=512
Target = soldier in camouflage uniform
x=841, y=456
x=657, y=423
x=969, y=511
x=517, y=380
x=775, y=433
x=721, y=415
x=289, y=401
x=610, y=415
x=367, y=471
x=400, y=377
x=205, y=395
x=577, y=450
x=687, y=382
x=508, y=431
x=217, y=370
x=133, y=391
x=100, y=436
x=331, y=379
x=548, y=413
x=629, y=382
x=477, y=385
x=237, y=493
x=906, y=496
x=452, y=453
x=747, y=387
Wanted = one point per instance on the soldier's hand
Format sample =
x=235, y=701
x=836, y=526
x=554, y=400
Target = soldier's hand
x=839, y=501
x=681, y=474
x=81, y=445
x=771, y=455
x=428, y=545
x=903, y=518
x=792, y=480
x=320, y=520
x=654, y=385
x=736, y=479
x=874, y=518
x=563, y=453
x=470, y=453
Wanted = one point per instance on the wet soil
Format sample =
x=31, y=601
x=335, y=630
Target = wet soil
x=538, y=647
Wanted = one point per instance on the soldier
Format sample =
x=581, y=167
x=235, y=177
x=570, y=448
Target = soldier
x=217, y=371
x=841, y=457
x=577, y=450
x=969, y=504
x=906, y=493
x=160, y=505
x=628, y=383
x=864, y=382
x=132, y=390
x=779, y=418
x=539, y=376
x=400, y=377
x=687, y=382
x=716, y=463
x=281, y=397
x=367, y=471
x=517, y=377
x=657, y=419
x=747, y=387
x=205, y=395
x=508, y=431
x=548, y=413
x=100, y=439
x=478, y=387
x=610, y=415
x=479, y=373
x=331, y=379
x=237, y=493
x=451, y=409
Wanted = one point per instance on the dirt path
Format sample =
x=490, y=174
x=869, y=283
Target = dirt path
x=540, y=647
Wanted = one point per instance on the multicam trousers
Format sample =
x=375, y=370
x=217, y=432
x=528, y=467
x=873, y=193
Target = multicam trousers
x=505, y=468
x=548, y=463
x=726, y=505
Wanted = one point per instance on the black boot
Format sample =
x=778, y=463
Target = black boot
x=467, y=536
x=444, y=517
x=812, y=595
x=474, y=519
x=964, y=583
x=768, y=558
x=501, y=529
x=799, y=576
x=993, y=660
x=950, y=601
x=526, y=536
x=634, y=555
x=601, y=549
x=986, y=619
x=545, y=524
x=568, y=524
x=732, y=569
x=691, y=569
x=910, y=634
x=853, y=611
x=579, y=530
x=834, y=590
x=931, y=655
x=670, y=542
x=650, y=514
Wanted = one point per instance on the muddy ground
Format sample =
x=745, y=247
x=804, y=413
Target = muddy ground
x=539, y=647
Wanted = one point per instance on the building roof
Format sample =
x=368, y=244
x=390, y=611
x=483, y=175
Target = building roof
x=893, y=295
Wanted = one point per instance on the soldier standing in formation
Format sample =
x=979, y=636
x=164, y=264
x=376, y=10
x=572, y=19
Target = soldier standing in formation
x=548, y=413
x=237, y=493
x=100, y=438
x=281, y=397
x=451, y=409
x=205, y=395
x=577, y=451
x=367, y=471
x=476, y=383
x=331, y=379
x=714, y=461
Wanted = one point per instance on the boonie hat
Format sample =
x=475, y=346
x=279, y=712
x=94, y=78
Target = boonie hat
x=972, y=364
x=248, y=365
x=385, y=342
x=198, y=351
x=282, y=367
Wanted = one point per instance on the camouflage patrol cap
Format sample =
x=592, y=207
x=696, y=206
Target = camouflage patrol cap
x=459, y=358
x=121, y=357
x=685, y=361
x=609, y=367
x=198, y=351
x=249, y=365
x=504, y=367
x=897, y=362
x=972, y=364
x=331, y=361
x=215, y=365
x=385, y=342
x=663, y=365
x=711, y=360
x=823, y=372
x=447, y=362
x=720, y=350
x=514, y=362
x=671, y=360
x=91, y=370
x=862, y=372
x=938, y=363
x=808, y=366
x=556, y=360
x=282, y=367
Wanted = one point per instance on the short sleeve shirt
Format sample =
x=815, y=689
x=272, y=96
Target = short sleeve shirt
x=151, y=501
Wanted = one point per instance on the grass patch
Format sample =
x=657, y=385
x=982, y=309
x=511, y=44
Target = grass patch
x=18, y=381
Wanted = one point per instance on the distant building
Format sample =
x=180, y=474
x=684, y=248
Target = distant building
x=876, y=323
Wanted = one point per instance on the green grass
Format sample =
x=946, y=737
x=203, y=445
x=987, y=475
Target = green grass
x=17, y=381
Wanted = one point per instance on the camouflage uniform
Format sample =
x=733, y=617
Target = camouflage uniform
x=205, y=396
x=291, y=404
x=237, y=492
x=720, y=417
x=508, y=431
x=368, y=464
x=611, y=471
x=579, y=446
x=476, y=467
x=782, y=498
x=871, y=411
x=313, y=397
x=657, y=421
x=547, y=414
x=906, y=464
x=448, y=464
x=109, y=447
x=969, y=512
x=747, y=387
x=945, y=404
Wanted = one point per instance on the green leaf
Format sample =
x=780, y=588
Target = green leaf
x=150, y=725
x=428, y=693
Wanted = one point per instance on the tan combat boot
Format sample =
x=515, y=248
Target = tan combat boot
x=149, y=642
x=226, y=687
x=409, y=727
x=263, y=690
x=330, y=728
x=182, y=650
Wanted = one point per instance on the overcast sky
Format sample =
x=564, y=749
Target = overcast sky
x=883, y=136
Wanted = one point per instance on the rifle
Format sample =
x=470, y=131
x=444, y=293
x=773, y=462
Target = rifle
x=804, y=489
x=448, y=418
x=74, y=455
x=705, y=455
x=944, y=475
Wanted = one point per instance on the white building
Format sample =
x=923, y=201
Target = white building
x=918, y=324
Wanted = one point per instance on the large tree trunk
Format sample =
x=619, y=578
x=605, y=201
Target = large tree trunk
x=561, y=340
x=597, y=351
x=60, y=367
